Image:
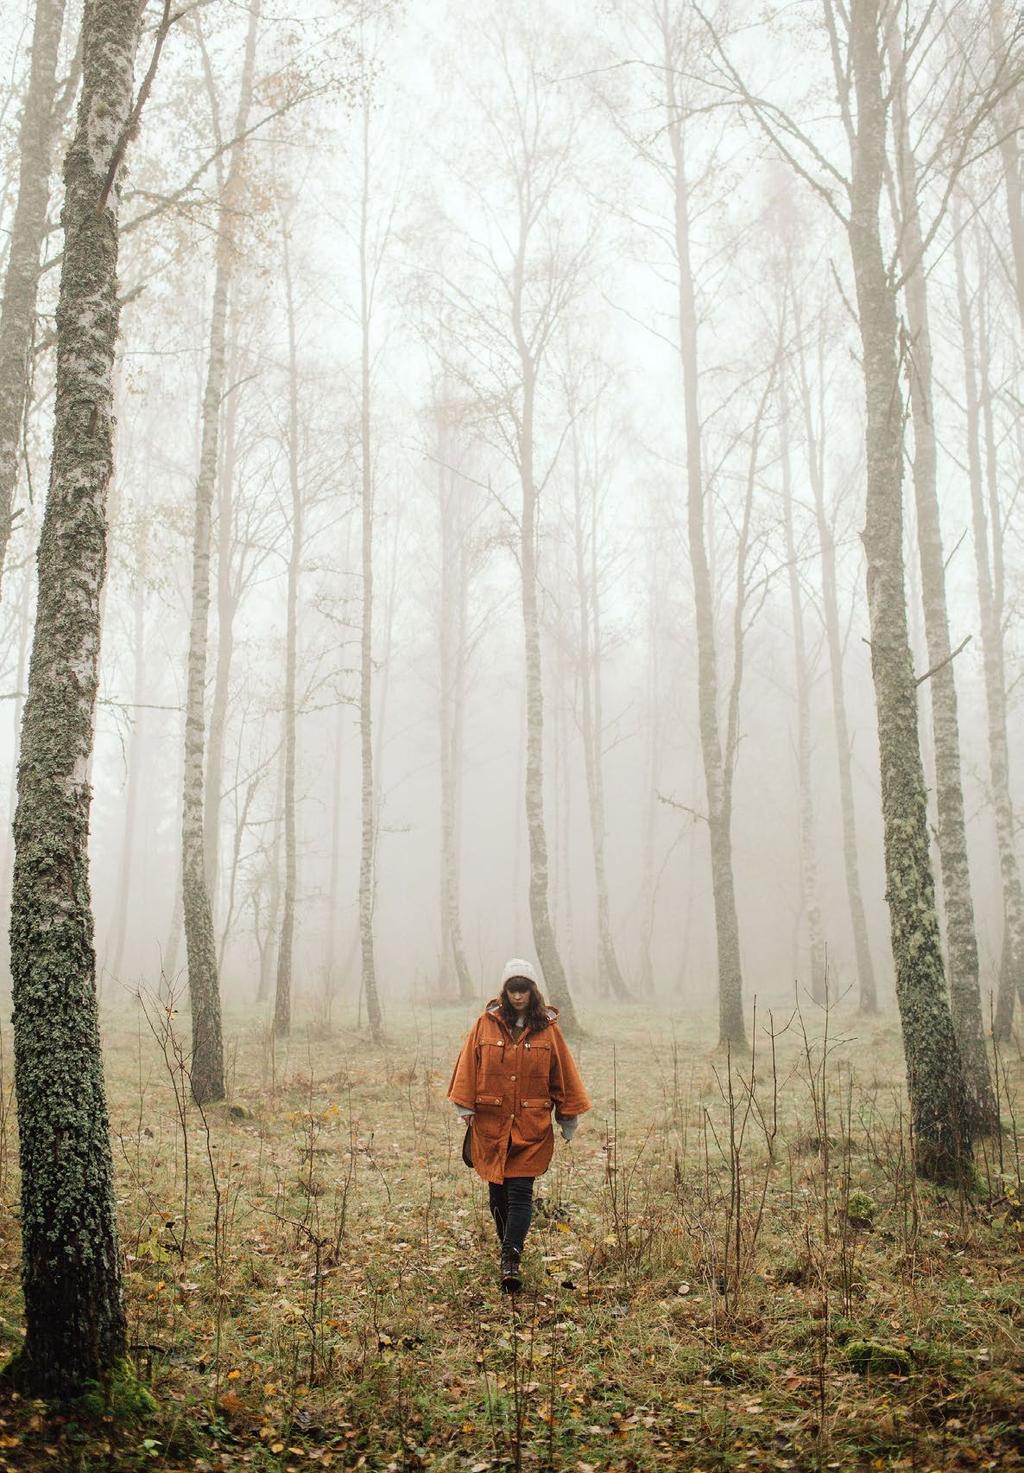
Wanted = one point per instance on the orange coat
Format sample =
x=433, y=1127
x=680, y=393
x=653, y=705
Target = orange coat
x=511, y=1087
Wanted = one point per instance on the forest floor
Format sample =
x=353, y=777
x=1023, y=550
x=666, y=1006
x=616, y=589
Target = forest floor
x=718, y=1276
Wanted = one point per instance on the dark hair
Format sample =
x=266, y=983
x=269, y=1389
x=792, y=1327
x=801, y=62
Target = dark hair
x=537, y=1011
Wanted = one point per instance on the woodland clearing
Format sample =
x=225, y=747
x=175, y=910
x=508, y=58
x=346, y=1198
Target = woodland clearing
x=719, y=1276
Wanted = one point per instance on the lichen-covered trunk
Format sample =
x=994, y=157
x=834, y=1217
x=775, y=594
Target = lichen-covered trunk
x=451, y=706
x=283, y=993
x=17, y=708
x=207, y=1062
x=719, y=818
x=803, y=679
x=942, y=1140
x=867, y=991
x=75, y=1325
x=987, y=553
x=961, y=937
x=18, y=308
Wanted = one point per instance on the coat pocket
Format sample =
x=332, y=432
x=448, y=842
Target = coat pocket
x=489, y=1118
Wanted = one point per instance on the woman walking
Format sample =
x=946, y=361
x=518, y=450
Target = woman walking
x=514, y=1067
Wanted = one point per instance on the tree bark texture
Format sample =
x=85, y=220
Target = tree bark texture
x=719, y=819
x=207, y=1062
x=961, y=936
x=75, y=1325
x=942, y=1142
x=18, y=309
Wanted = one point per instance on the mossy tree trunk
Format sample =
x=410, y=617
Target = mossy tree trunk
x=961, y=937
x=942, y=1142
x=39, y=122
x=75, y=1324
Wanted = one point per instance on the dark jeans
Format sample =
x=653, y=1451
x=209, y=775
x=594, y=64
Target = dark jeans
x=512, y=1209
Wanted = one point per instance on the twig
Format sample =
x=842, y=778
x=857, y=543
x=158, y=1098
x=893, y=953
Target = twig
x=947, y=661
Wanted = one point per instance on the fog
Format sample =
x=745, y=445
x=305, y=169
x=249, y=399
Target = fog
x=389, y=159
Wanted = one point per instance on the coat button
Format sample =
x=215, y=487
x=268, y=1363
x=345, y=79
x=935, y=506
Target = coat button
x=513, y=1076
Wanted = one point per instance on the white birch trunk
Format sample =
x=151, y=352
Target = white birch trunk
x=75, y=1324
x=207, y=1062
x=961, y=937
x=18, y=309
x=942, y=1141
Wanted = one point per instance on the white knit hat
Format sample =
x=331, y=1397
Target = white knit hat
x=517, y=967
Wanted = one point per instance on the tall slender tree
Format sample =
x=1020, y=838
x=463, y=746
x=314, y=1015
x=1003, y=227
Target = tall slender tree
x=937, y=1094
x=456, y=561
x=856, y=47
x=283, y=993
x=988, y=529
x=961, y=938
x=207, y=1063
x=803, y=679
x=40, y=119
x=75, y=1323
x=589, y=486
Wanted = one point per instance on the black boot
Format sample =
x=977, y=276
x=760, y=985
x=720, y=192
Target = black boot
x=510, y=1280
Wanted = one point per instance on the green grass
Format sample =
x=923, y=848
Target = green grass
x=339, y=1307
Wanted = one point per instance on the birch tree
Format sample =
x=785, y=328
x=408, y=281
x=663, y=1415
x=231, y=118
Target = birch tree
x=855, y=40
x=961, y=937
x=590, y=475
x=460, y=551
x=75, y=1323
x=207, y=1063
x=40, y=119
x=283, y=992
x=526, y=285
x=670, y=41
x=803, y=679
x=988, y=526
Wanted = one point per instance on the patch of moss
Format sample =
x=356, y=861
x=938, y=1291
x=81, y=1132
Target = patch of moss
x=860, y=1210
x=120, y=1395
x=871, y=1356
